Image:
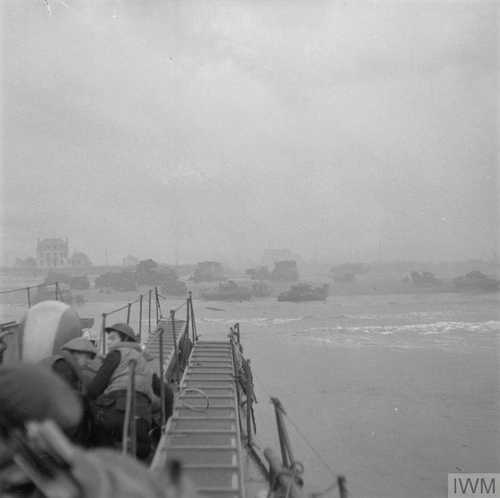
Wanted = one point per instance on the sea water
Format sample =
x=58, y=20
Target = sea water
x=392, y=391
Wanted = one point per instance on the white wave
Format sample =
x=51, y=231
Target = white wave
x=281, y=321
x=424, y=329
x=256, y=321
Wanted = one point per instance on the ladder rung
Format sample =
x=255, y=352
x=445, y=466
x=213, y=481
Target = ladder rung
x=202, y=409
x=219, y=491
x=211, y=397
x=207, y=419
x=211, y=380
x=210, y=360
x=204, y=448
x=211, y=352
x=214, y=466
x=201, y=431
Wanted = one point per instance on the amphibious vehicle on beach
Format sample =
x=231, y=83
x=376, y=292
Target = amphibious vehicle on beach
x=227, y=291
x=476, y=281
x=305, y=292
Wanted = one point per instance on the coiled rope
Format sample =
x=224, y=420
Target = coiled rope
x=189, y=405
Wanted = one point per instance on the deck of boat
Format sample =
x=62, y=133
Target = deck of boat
x=204, y=432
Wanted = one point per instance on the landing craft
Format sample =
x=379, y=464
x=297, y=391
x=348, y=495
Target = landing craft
x=212, y=431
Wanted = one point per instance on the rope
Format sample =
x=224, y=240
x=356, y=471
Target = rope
x=332, y=487
x=311, y=447
x=19, y=289
x=193, y=407
x=116, y=310
x=124, y=307
x=180, y=307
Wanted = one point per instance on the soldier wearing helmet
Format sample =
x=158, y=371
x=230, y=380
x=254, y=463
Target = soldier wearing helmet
x=84, y=354
x=109, y=389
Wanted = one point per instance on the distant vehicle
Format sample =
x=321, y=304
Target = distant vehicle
x=227, y=291
x=208, y=271
x=424, y=279
x=79, y=283
x=121, y=282
x=305, y=292
x=285, y=271
x=174, y=287
x=261, y=289
x=476, y=281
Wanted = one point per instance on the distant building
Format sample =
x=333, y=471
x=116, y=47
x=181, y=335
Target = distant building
x=80, y=259
x=26, y=263
x=130, y=261
x=272, y=256
x=285, y=271
x=52, y=253
x=208, y=271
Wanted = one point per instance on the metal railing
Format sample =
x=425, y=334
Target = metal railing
x=27, y=294
x=154, y=314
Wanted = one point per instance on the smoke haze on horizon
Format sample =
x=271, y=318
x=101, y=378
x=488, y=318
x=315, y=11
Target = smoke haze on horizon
x=193, y=130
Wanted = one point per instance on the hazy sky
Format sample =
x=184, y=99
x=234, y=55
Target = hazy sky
x=337, y=129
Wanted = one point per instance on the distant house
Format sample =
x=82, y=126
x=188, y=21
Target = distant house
x=208, y=271
x=259, y=273
x=26, y=263
x=272, y=256
x=130, y=261
x=80, y=259
x=285, y=271
x=52, y=253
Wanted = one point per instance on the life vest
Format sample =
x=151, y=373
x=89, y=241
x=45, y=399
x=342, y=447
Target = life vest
x=90, y=369
x=143, y=377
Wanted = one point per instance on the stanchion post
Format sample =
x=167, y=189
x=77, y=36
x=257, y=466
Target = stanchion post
x=157, y=299
x=129, y=307
x=162, y=381
x=140, y=317
x=103, y=335
x=189, y=313
x=149, y=312
x=129, y=435
x=249, y=410
x=29, y=296
x=193, y=321
x=187, y=318
x=342, y=486
x=279, y=425
x=176, y=352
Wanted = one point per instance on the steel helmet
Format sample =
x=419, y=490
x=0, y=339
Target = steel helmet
x=80, y=345
x=33, y=392
x=47, y=326
x=122, y=328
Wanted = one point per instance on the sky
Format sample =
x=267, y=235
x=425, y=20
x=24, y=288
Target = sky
x=182, y=131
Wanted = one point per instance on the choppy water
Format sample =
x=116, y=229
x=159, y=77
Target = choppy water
x=395, y=391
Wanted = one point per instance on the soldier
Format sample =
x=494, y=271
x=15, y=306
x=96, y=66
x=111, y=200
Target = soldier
x=108, y=389
x=35, y=456
x=84, y=353
x=72, y=361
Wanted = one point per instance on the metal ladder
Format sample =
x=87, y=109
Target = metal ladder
x=204, y=432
